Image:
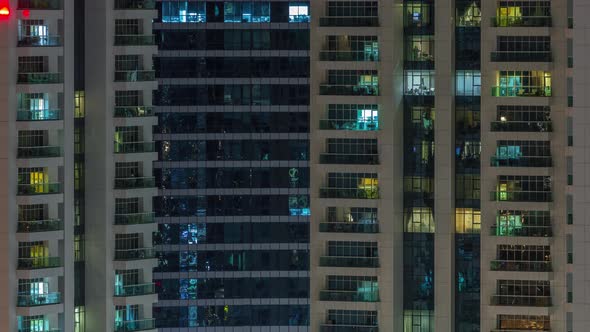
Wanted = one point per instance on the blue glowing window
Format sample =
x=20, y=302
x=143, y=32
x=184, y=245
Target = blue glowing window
x=183, y=12
x=298, y=12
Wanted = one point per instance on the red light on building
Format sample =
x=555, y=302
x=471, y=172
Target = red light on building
x=26, y=13
x=4, y=11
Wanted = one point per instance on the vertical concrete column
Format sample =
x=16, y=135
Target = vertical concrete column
x=444, y=171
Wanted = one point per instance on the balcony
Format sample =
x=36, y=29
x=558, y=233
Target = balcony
x=135, y=40
x=522, y=91
x=348, y=227
x=526, y=231
x=521, y=330
x=135, y=182
x=34, y=226
x=40, y=4
x=521, y=21
x=39, y=78
x=349, y=296
x=38, y=152
x=521, y=300
x=349, y=21
x=39, y=41
x=351, y=159
x=135, y=4
x=135, y=76
x=34, y=300
x=135, y=147
x=134, y=254
x=514, y=56
x=39, y=115
x=353, y=193
x=39, y=263
x=349, y=261
x=135, y=290
x=339, y=124
x=349, y=90
x=134, y=218
x=521, y=196
x=520, y=266
x=521, y=161
x=348, y=56
x=135, y=325
x=133, y=111
x=524, y=126
x=39, y=189
x=45, y=330
x=348, y=328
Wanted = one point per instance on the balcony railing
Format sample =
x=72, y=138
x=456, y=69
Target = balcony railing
x=133, y=111
x=39, y=189
x=349, y=296
x=521, y=21
x=135, y=147
x=522, y=161
x=520, y=266
x=135, y=76
x=349, y=90
x=39, y=115
x=34, y=330
x=135, y=4
x=38, y=152
x=50, y=225
x=348, y=227
x=134, y=218
x=353, y=159
x=33, y=300
x=134, y=254
x=521, y=330
x=40, y=78
x=521, y=91
x=39, y=263
x=338, y=124
x=348, y=328
x=40, y=4
x=135, y=290
x=524, y=126
x=39, y=41
x=135, y=182
x=353, y=193
x=135, y=325
x=513, y=56
x=348, y=56
x=528, y=231
x=521, y=300
x=349, y=21
x=349, y=261
x=521, y=196
x=135, y=40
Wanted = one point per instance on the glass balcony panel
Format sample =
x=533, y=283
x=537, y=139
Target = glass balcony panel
x=39, y=189
x=521, y=300
x=135, y=290
x=349, y=21
x=134, y=254
x=349, y=296
x=353, y=159
x=348, y=328
x=522, y=266
x=33, y=300
x=348, y=56
x=348, y=227
x=349, y=90
x=39, y=41
x=39, y=78
x=134, y=218
x=135, y=182
x=521, y=196
x=40, y=4
x=524, y=126
x=135, y=147
x=135, y=76
x=40, y=226
x=135, y=40
x=133, y=111
x=135, y=325
x=354, y=193
x=349, y=261
x=135, y=4
x=39, y=152
x=39, y=263
x=522, y=161
x=522, y=91
x=339, y=124
x=528, y=231
x=39, y=115
x=521, y=21
x=521, y=57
